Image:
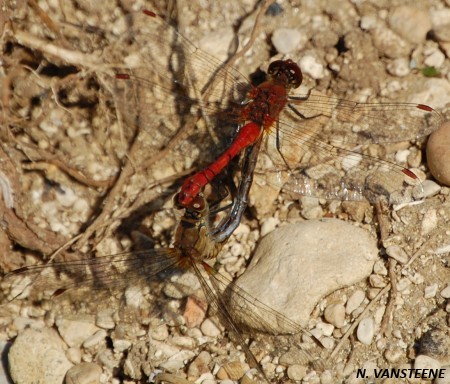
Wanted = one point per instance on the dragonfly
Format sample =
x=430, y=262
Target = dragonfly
x=78, y=288
x=315, y=144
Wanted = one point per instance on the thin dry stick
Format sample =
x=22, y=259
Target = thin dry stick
x=266, y=4
x=385, y=327
x=67, y=55
x=385, y=228
x=358, y=320
x=44, y=17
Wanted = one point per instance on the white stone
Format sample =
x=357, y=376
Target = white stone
x=286, y=40
x=430, y=291
x=95, y=339
x=209, y=328
x=368, y=22
x=268, y=225
x=301, y=263
x=75, y=332
x=296, y=372
x=399, y=67
x=310, y=66
x=445, y=293
x=354, y=301
x=397, y=253
x=38, y=354
x=327, y=329
x=435, y=59
x=366, y=330
x=430, y=188
x=410, y=22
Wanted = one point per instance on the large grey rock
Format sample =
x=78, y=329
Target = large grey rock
x=296, y=265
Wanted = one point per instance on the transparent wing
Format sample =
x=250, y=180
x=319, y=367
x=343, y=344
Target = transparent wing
x=122, y=282
x=323, y=151
x=170, y=77
x=363, y=123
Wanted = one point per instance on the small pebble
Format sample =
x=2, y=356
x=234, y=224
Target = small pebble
x=194, y=311
x=438, y=153
x=38, y=354
x=159, y=332
x=327, y=342
x=200, y=365
x=134, y=297
x=445, y=293
x=120, y=345
x=377, y=281
x=403, y=284
x=327, y=329
x=296, y=372
x=409, y=22
x=389, y=43
x=435, y=58
x=95, y=339
x=312, y=67
x=366, y=330
x=269, y=225
x=431, y=291
x=209, y=328
x=84, y=373
x=393, y=355
x=397, y=253
x=183, y=342
x=399, y=67
x=105, y=320
x=286, y=40
x=429, y=221
x=335, y=314
x=430, y=188
x=354, y=301
x=327, y=377
x=75, y=332
x=379, y=268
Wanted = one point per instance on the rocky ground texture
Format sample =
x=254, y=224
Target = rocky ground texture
x=83, y=165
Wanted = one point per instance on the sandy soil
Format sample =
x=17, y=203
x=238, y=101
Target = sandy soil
x=86, y=160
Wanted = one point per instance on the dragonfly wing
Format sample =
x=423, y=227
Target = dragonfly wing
x=88, y=286
x=363, y=123
x=308, y=165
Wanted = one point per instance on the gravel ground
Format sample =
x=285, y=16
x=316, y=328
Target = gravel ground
x=86, y=161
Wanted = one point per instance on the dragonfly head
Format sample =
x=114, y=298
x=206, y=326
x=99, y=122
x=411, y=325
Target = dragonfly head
x=285, y=72
x=196, y=204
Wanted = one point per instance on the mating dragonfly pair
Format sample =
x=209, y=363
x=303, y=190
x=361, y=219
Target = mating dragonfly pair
x=318, y=151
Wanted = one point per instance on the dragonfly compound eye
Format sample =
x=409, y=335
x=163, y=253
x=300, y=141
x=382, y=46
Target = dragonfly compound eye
x=287, y=72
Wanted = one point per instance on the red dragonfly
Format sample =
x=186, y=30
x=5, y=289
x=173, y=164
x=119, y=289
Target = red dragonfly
x=321, y=142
